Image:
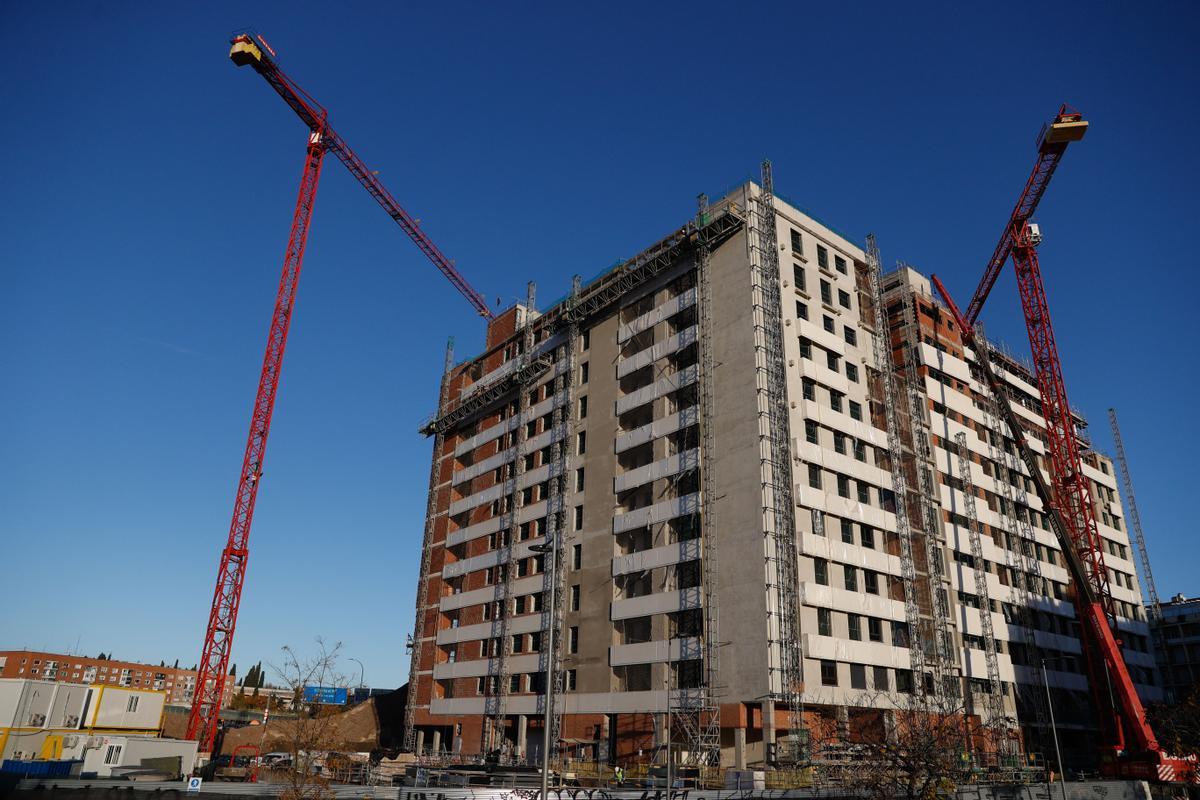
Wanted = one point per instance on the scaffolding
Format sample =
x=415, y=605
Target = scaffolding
x=784, y=659
x=496, y=702
x=994, y=701
x=924, y=508
x=561, y=445
x=697, y=712
x=418, y=635
x=885, y=370
x=1017, y=533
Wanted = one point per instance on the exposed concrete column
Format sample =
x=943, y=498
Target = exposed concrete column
x=843, y=723
x=420, y=741
x=437, y=740
x=522, y=728
x=739, y=748
x=768, y=724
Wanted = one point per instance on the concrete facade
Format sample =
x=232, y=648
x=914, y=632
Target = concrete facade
x=633, y=626
x=1178, y=639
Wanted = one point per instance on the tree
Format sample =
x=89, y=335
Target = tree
x=900, y=747
x=1178, y=725
x=313, y=732
x=176, y=664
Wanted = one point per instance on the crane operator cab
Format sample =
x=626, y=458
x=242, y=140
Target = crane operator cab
x=244, y=51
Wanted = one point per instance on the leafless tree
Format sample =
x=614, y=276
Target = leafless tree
x=310, y=736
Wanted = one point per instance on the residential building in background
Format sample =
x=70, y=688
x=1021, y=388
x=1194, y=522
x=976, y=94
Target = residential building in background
x=708, y=429
x=178, y=684
x=1178, y=639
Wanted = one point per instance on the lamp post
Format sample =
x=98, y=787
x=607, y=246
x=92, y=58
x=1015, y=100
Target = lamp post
x=360, y=671
x=1054, y=729
x=551, y=550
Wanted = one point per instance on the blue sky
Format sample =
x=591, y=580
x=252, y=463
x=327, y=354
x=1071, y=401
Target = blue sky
x=148, y=185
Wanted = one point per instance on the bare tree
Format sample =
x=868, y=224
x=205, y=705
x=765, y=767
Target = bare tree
x=313, y=732
x=896, y=747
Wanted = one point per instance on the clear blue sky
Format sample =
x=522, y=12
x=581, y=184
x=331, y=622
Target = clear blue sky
x=147, y=188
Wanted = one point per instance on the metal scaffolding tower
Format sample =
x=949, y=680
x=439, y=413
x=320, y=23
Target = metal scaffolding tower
x=923, y=504
x=885, y=369
x=698, y=711
x=561, y=446
x=1135, y=520
x=994, y=702
x=1018, y=535
x=496, y=704
x=417, y=638
x=784, y=660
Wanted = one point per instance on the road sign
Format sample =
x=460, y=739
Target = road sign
x=327, y=695
x=194, y=785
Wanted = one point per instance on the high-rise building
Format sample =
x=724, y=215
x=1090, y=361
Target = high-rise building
x=715, y=438
x=1178, y=640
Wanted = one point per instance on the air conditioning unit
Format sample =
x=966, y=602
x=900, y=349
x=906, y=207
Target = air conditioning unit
x=71, y=721
x=37, y=720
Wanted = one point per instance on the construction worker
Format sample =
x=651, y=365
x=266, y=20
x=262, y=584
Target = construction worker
x=619, y=774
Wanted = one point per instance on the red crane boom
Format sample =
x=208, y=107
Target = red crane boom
x=218, y=641
x=1129, y=747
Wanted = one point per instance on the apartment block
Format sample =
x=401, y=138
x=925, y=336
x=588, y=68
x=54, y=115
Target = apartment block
x=178, y=684
x=1177, y=637
x=706, y=437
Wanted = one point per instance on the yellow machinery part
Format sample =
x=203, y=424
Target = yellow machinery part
x=245, y=52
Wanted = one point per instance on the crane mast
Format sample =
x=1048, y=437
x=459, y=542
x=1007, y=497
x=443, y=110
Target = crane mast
x=1129, y=747
x=231, y=574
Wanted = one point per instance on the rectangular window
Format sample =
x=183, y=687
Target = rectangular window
x=835, y=400
x=573, y=639
x=821, y=571
x=587, y=340
x=839, y=442
x=583, y=407
x=858, y=676
x=839, y=264
x=805, y=348
x=854, y=625
x=579, y=479
x=864, y=492
x=843, y=486
x=113, y=754
x=801, y=310
x=850, y=575
x=855, y=410
x=822, y=257
x=847, y=531
x=810, y=431
x=797, y=242
x=577, y=556
x=132, y=704
x=881, y=679
x=851, y=372
x=569, y=684
x=578, y=518
x=850, y=335
x=814, y=476
x=827, y=322
x=831, y=361
x=581, y=443
x=867, y=535
x=829, y=673
x=810, y=388
x=574, y=604
x=843, y=298
x=824, y=622
x=860, y=451
x=798, y=276
x=826, y=293
x=874, y=629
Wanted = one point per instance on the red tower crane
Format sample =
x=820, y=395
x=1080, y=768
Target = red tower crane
x=1128, y=745
x=218, y=641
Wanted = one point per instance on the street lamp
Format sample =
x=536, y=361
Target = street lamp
x=1054, y=727
x=360, y=672
x=551, y=563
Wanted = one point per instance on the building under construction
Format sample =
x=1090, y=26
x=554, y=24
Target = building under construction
x=743, y=486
